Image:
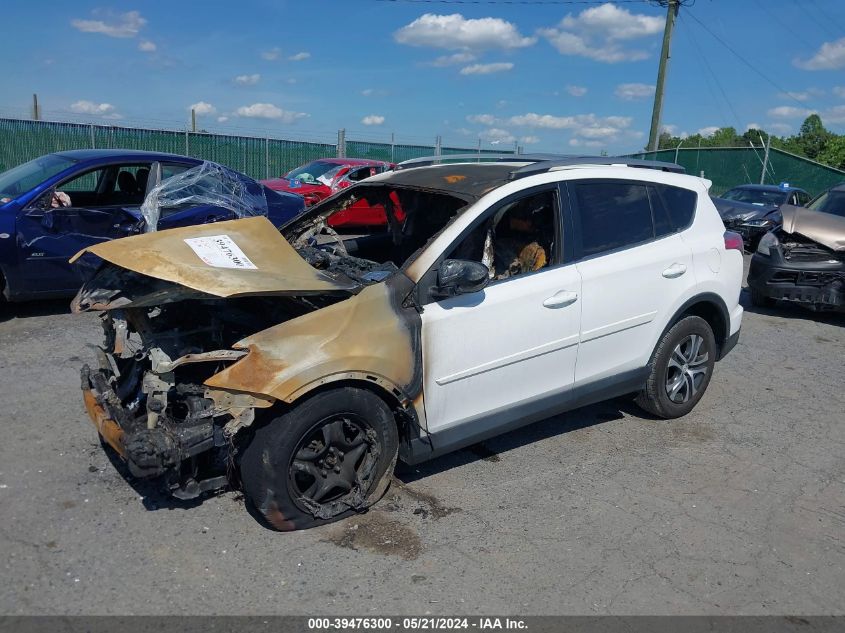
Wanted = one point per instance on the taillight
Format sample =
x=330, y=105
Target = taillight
x=733, y=241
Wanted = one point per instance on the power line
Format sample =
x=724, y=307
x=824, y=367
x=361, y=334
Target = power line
x=519, y=2
x=704, y=62
x=827, y=17
x=745, y=61
x=791, y=30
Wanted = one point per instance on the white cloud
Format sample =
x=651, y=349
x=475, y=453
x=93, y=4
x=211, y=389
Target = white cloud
x=454, y=59
x=632, y=92
x=576, y=91
x=529, y=140
x=804, y=95
x=839, y=91
x=201, y=108
x=483, y=119
x=709, y=130
x=614, y=23
x=588, y=126
x=577, y=142
x=222, y=119
x=373, y=119
x=124, y=25
x=753, y=126
x=668, y=129
x=780, y=128
x=830, y=56
x=269, y=111
x=596, y=33
x=790, y=112
x=147, y=46
x=486, y=69
x=248, y=80
x=797, y=96
x=836, y=114
x=299, y=56
x=457, y=32
x=497, y=135
x=367, y=92
x=272, y=54
x=89, y=107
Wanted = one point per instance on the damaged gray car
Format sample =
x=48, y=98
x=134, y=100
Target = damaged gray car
x=803, y=260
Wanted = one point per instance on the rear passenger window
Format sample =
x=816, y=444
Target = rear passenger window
x=679, y=204
x=612, y=215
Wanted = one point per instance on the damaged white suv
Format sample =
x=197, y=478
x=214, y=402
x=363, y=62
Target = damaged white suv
x=301, y=365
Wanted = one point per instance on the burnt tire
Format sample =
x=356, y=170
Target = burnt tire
x=680, y=369
x=759, y=300
x=328, y=457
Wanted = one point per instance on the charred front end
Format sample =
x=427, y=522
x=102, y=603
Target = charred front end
x=147, y=396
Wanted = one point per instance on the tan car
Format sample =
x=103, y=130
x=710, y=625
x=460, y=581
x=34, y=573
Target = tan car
x=304, y=364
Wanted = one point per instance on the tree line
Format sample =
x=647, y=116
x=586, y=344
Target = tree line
x=813, y=141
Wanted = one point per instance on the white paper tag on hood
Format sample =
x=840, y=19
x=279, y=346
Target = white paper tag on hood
x=220, y=251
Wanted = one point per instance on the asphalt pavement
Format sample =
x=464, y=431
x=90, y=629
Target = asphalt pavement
x=739, y=508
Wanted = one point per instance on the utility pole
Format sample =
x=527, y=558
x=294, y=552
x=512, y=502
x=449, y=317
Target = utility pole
x=36, y=113
x=672, y=7
x=193, y=120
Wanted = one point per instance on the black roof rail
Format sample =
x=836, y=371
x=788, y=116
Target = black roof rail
x=425, y=161
x=577, y=161
x=540, y=163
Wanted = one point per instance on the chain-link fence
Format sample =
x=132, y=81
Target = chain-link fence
x=731, y=166
x=22, y=140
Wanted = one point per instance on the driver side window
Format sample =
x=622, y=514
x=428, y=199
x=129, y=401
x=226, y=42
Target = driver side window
x=516, y=238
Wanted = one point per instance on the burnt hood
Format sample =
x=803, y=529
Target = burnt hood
x=245, y=257
x=825, y=228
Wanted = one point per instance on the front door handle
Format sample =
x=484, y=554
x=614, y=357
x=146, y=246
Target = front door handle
x=561, y=299
x=675, y=270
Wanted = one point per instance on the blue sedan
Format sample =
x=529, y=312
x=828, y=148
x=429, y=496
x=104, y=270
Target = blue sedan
x=58, y=204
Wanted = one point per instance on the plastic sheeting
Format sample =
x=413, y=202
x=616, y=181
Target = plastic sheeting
x=206, y=185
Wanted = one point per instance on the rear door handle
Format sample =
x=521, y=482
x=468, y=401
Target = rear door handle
x=561, y=299
x=675, y=270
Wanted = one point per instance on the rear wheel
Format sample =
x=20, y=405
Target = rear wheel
x=681, y=368
x=325, y=459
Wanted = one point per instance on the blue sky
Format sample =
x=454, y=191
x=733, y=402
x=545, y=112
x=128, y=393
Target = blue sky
x=552, y=77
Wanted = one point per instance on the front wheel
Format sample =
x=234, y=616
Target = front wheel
x=326, y=458
x=680, y=369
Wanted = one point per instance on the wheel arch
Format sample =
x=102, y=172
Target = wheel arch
x=710, y=307
x=402, y=406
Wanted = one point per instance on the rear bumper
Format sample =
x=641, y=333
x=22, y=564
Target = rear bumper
x=820, y=286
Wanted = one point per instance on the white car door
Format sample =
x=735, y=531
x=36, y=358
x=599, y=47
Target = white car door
x=506, y=351
x=633, y=265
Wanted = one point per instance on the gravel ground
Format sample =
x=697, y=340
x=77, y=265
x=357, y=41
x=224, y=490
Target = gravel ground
x=739, y=508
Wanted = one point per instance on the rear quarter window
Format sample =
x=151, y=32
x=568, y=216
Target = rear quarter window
x=674, y=205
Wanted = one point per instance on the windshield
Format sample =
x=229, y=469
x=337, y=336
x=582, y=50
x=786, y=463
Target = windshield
x=24, y=177
x=318, y=172
x=832, y=202
x=755, y=196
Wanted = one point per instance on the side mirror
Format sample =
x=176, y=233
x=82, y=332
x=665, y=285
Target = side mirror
x=41, y=204
x=460, y=276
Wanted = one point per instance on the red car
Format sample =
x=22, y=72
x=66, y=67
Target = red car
x=321, y=178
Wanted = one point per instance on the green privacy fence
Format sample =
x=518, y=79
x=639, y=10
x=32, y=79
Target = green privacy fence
x=731, y=166
x=22, y=140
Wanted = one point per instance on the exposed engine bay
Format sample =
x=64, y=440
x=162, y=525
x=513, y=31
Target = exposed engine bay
x=167, y=335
